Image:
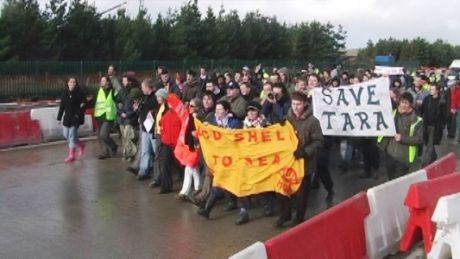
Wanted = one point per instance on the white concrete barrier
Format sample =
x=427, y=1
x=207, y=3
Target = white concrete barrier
x=51, y=130
x=387, y=221
x=255, y=251
x=446, y=242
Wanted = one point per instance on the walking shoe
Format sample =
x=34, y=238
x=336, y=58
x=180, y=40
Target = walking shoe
x=164, y=191
x=203, y=212
x=131, y=170
x=154, y=184
x=268, y=210
x=230, y=206
x=182, y=197
x=243, y=218
x=279, y=223
x=143, y=177
x=330, y=197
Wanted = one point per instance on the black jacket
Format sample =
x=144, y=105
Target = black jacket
x=72, y=107
x=125, y=105
x=148, y=104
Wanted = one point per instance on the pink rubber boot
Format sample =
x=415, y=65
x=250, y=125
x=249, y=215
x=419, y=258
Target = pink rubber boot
x=71, y=157
x=81, y=149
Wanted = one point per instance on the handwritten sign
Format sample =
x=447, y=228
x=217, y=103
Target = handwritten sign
x=251, y=161
x=357, y=110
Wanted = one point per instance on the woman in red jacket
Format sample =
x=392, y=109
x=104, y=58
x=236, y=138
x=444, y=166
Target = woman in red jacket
x=170, y=126
x=455, y=105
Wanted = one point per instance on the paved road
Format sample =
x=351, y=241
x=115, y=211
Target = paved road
x=94, y=209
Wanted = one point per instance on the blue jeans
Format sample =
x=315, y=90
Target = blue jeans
x=148, y=148
x=71, y=135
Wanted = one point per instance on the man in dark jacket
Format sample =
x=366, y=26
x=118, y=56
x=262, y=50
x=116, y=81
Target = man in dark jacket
x=127, y=117
x=147, y=110
x=237, y=102
x=401, y=149
x=310, y=135
x=191, y=89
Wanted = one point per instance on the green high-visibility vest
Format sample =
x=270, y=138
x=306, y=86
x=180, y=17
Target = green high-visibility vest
x=412, y=149
x=105, y=104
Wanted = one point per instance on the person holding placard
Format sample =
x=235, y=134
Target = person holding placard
x=147, y=110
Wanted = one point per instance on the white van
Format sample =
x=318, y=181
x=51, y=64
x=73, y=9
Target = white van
x=454, y=70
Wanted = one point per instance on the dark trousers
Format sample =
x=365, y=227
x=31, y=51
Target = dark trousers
x=370, y=152
x=451, y=125
x=165, y=161
x=300, y=198
x=105, y=141
x=395, y=168
x=323, y=168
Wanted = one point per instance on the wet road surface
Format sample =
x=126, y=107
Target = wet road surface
x=95, y=209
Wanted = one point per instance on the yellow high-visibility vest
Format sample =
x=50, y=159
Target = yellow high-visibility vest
x=105, y=104
x=412, y=148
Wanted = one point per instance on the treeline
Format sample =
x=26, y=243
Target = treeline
x=436, y=54
x=74, y=31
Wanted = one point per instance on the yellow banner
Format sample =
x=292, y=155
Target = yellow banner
x=251, y=161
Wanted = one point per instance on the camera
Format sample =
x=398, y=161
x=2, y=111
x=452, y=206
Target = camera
x=270, y=96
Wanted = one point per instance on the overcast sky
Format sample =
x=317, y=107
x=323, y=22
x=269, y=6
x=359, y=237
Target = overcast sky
x=362, y=19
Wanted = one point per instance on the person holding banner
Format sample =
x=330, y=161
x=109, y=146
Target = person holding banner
x=310, y=135
x=254, y=119
x=401, y=149
x=223, y=118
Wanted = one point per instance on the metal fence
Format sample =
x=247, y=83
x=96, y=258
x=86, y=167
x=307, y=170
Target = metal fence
x=46, y=79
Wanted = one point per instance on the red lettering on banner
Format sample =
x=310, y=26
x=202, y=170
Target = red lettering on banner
x=248, y=161
x=266, y=136
x=204, y=133
x=277, y=159
x=215, y=159
x=252, y=136
x=263, y=161
x=278, y=136
x=227, y=161
x=217, y=135
x=239, y=137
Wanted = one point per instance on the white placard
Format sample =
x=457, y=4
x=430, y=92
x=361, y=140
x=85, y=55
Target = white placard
x=357, y=110
x=148, y=122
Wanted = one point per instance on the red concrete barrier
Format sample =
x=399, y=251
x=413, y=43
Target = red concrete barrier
x=17, y=128
x=422, y=199
x=335, y=233
x=443, y=166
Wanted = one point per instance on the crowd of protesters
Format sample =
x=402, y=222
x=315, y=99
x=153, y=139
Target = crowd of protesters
x=159, y=141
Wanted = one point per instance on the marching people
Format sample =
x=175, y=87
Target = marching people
x=254, y=119
x=223, y=118
x=169, y=129
x=127, y=117
x=401, y=149
x=308, y=131
x=434, y=114
x=72, y=106
x=105, y=113
x=147, y=110
x=237, y=102
x=189, y=153
x=276, y=104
